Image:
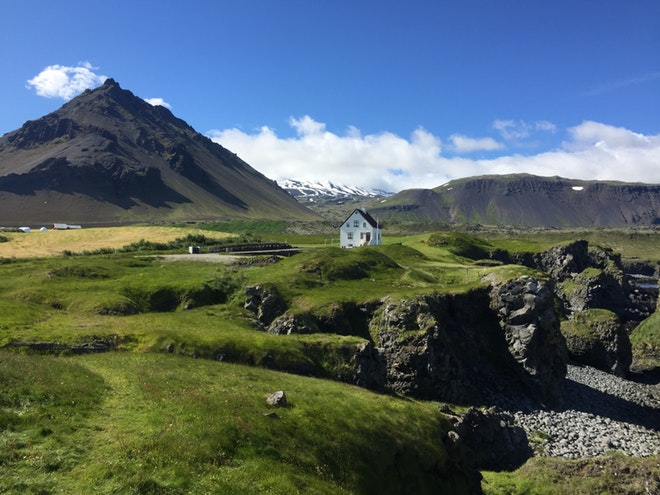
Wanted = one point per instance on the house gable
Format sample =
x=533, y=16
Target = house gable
x=359, y=229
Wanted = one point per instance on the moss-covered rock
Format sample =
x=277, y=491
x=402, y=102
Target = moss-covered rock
x=596, y=337
x=463, y=347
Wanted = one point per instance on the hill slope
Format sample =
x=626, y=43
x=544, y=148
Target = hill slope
x=527, y=200
x=109, y=157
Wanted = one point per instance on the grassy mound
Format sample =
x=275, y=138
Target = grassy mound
x=146, y=423
x=461, y=244
x=612, y=475
x=645, y=340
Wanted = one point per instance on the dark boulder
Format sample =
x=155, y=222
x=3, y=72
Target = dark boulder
x=595, y=288
x=288, y=324
x=560, y=262
x=493, y=441
x=435, y=346
x=597, y=338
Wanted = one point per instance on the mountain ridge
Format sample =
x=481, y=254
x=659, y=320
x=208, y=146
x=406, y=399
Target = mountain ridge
x=306, y=189
x=109, y=157
x=527, y=200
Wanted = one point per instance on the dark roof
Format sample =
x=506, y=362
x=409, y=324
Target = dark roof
x=369, y=219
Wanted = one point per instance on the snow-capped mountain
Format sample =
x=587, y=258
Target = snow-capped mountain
x=310, y=190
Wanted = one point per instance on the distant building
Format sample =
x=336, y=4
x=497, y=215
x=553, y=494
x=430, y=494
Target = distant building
x=359, y=229
x=65, y=226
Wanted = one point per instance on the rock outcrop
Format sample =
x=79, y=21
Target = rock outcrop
x=461, y=348
x=485, y=344
x=288, y=324
x=597, y=338
x=437, y=346
x=264, y=302
x=594, y=288
x=525, y=307
x=562, y=262
x=591, y=278
x=494, y=441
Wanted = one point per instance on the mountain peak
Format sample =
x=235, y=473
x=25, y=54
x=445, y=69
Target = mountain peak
x=110, y=82
x=108, y=156
x=325, y=189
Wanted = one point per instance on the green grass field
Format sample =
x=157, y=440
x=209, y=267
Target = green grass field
x=148, y=423
x=179, y=405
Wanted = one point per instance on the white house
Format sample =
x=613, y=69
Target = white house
x=359, y=229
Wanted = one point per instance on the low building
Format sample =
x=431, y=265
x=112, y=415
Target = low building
x=65, y=226
x=359, y=229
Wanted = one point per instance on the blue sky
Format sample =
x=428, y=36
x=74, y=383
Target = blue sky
x=386, y=93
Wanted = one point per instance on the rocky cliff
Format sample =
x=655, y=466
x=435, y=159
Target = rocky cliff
x=460, y=348
x=510, y=337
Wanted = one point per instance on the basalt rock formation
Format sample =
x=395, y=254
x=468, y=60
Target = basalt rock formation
x=492, y=341
x=531, y=329
x=588, y=282
x=597, y=338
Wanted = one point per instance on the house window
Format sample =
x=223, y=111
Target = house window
x=361, y=235
x=356, y=223
x=349, y=235
x=364, y=225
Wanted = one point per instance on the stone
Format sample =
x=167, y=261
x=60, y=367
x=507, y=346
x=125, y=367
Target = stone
x=288, y=324
x=277, y=399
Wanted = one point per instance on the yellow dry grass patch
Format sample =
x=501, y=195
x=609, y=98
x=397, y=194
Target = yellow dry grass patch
x=53, y=242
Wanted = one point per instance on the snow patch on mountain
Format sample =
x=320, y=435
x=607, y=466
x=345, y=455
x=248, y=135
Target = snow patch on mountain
x=311, y=189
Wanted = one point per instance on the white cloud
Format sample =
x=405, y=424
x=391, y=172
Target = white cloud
x=591, y=133
x=383, y=160
x=465, y=144
x=59, y=81
x=390, y=162
x=512, y=130
x=158, y=102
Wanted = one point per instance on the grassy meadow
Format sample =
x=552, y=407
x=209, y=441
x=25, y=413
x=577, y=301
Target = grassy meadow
x=56, y=242
x=178, y=405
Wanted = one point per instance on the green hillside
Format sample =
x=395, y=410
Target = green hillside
x=122, y=371
x=150, y=423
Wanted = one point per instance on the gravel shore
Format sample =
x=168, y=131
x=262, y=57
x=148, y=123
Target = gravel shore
x=600, y=413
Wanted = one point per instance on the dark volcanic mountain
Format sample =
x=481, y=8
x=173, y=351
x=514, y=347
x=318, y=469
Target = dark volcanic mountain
x=526, y=200
x=109, y=157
